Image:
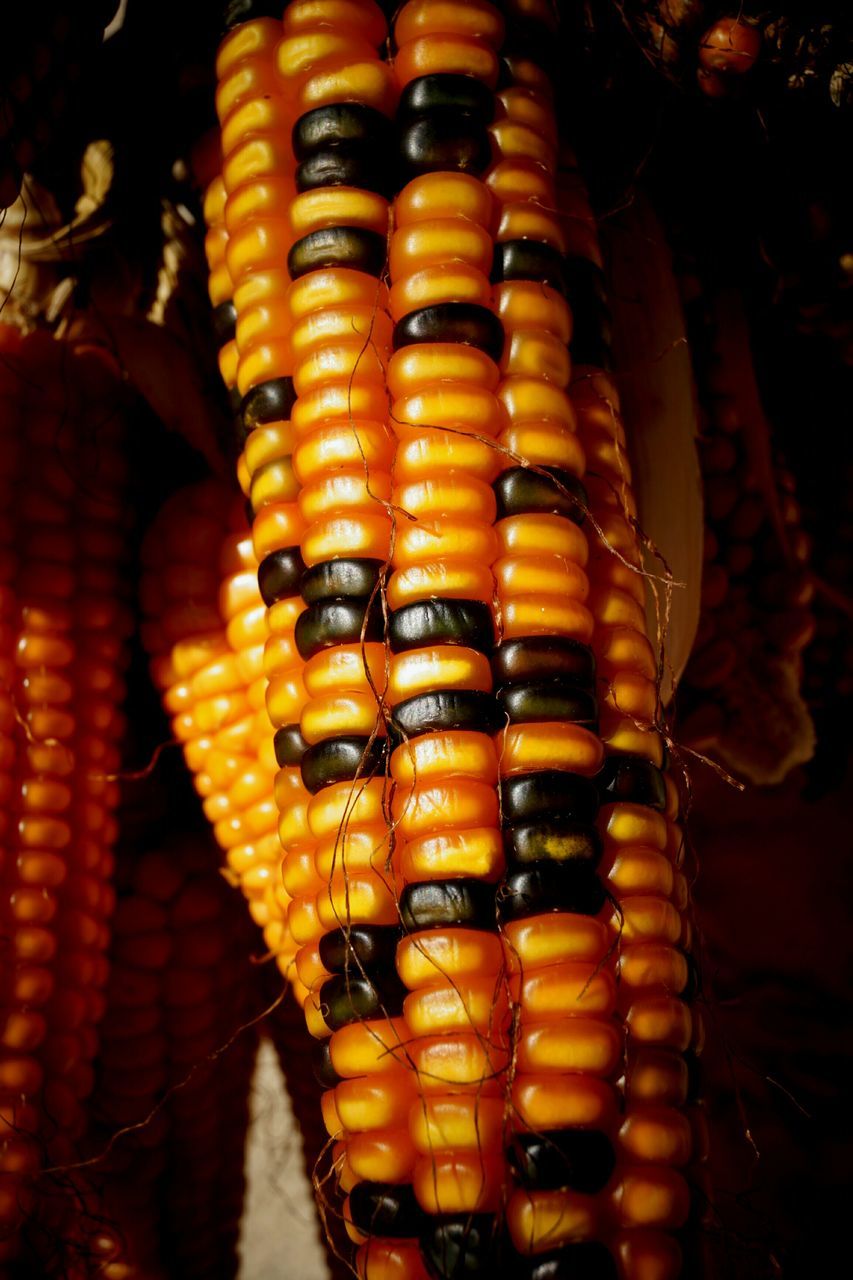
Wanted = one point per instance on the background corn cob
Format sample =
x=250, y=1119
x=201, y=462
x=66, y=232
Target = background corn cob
x=233, y=772
x=64, y=629
x=205, y=633
x=47, y=50
x=181, y=987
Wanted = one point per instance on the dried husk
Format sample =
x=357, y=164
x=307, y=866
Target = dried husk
x=659, y=403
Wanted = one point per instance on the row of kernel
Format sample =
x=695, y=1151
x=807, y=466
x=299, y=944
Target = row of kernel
x=445, y=413
x=569, y=1047
x=257, y=168
x=256, y=862
x=642, y=843
x=174, y=1188
x=345, y=910
x=62, y=645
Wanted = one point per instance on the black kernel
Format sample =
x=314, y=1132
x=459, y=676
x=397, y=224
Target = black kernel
x=351, y=247
x=446, y=710
x=224, y=322
x=324, y=1072
x=289, y=746
x=552, y=840
x=270, y=401
x=340, y=122
x=352, y=164
x=550, y=886
x=464, y=903
x=549, y=490
x=544, y=700
x=529, y=260
x=460, y=322
x=333, y=622
x=341, y=760
x=386, y=1209
x=577, y=1260
x=529, y=658
x=347, y=998
x=447, y=92
x=280, y=573
x=341, y=580
x=632, y=780
x=237, y=12
x=459, y=1248
x=551, y=793
x=359, y=947
x=579, y=1159
x=425, y=622
x=445, y=140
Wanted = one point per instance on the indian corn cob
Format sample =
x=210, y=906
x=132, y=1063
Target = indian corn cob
x=205, y=633
x=179, y=989
x=440, y=790
x=46, y=51
x=64, y=629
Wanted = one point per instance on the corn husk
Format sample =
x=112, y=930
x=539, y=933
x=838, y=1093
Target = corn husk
x=659, y=403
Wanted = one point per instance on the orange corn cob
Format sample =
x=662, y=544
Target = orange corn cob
x=62, y=650
x=205, y=632
x=421, y=1102
x=180, y=988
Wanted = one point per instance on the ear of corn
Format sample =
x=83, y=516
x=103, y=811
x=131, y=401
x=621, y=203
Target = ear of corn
x=430, y=776
x=63, y=627
x=178, y=991
x=205, y=631
x=46, y=53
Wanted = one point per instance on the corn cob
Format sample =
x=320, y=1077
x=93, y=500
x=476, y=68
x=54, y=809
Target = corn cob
x=46, y=52
x=64, y=628
x=179, y=989
x=444, y=814
x=205, y=633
